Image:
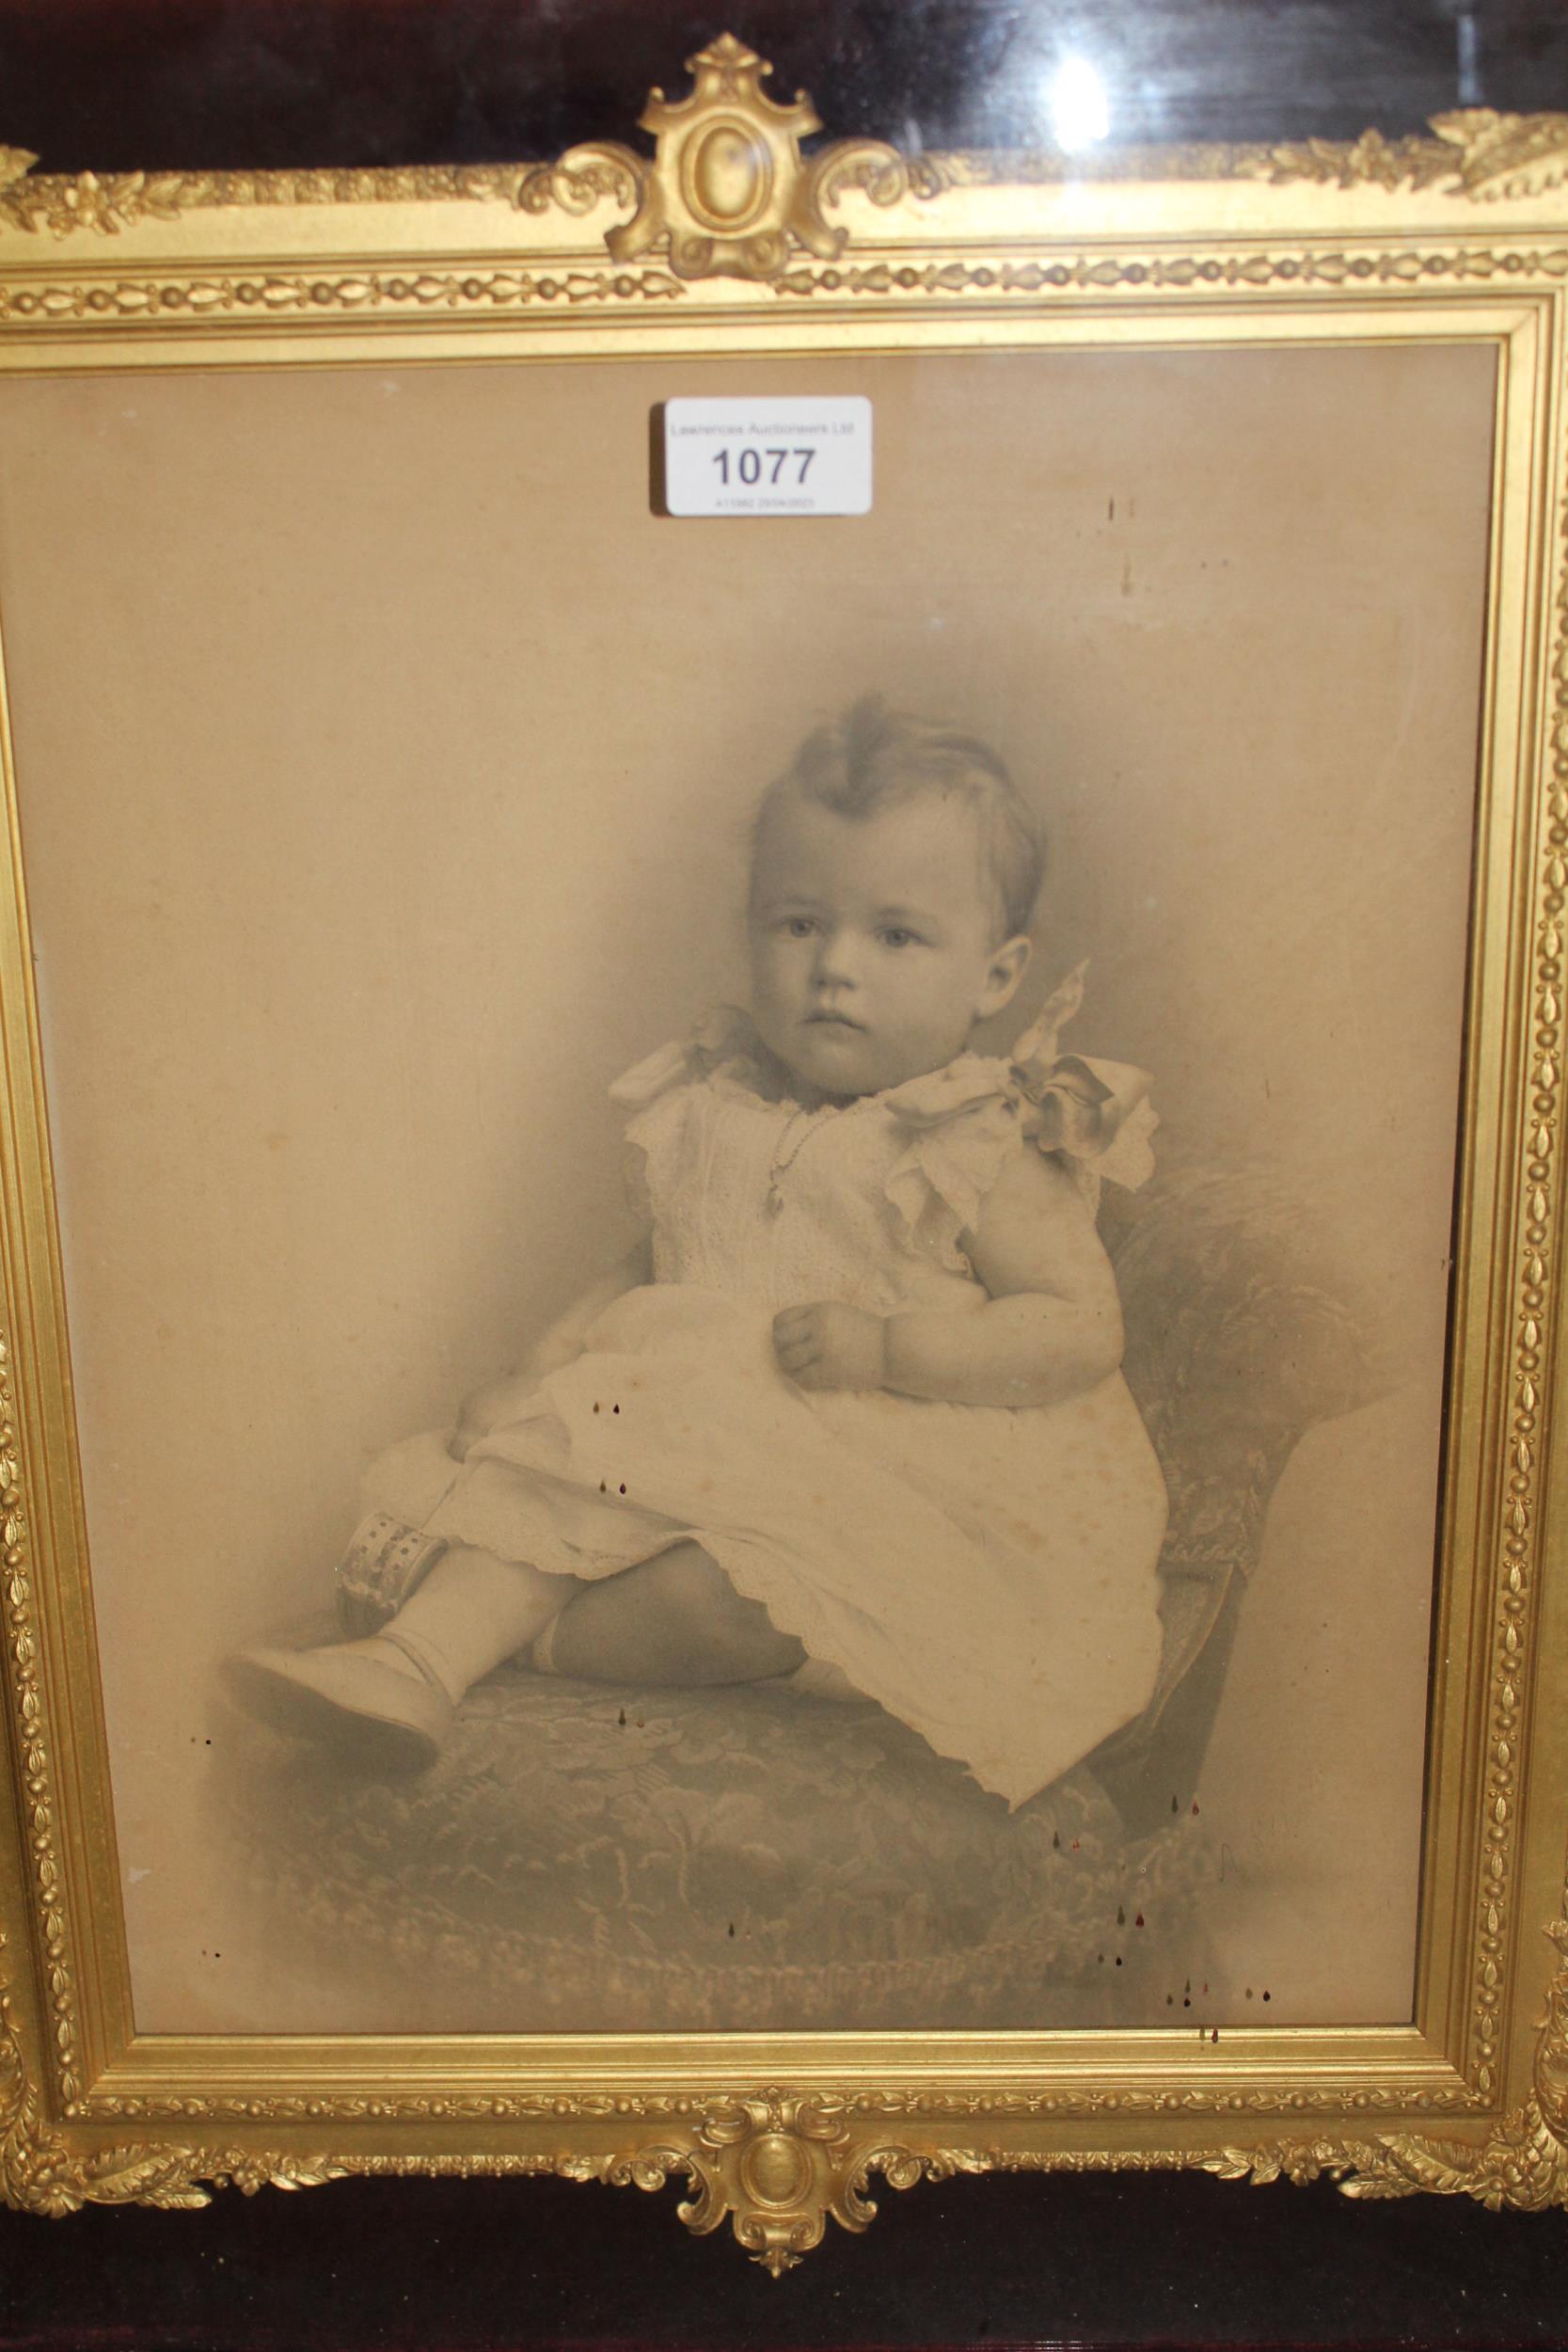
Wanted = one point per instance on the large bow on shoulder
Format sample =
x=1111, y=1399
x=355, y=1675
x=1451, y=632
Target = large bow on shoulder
x=1096, y=1112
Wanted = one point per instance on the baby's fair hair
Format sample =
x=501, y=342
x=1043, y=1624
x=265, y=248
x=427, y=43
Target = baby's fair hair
x=874, y=758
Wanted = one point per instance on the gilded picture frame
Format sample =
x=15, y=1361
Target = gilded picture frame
x=608, y=254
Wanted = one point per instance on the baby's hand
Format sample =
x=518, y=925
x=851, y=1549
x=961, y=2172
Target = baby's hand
x=830, y=1345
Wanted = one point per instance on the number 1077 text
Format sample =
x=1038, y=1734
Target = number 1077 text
x=754, y=464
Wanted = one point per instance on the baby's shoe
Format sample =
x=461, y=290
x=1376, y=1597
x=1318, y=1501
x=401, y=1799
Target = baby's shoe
x=348, y=1697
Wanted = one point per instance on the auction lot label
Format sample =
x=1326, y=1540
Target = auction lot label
x=788, y=456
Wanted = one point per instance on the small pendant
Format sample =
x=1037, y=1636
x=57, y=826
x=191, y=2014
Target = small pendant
x=775, y=1201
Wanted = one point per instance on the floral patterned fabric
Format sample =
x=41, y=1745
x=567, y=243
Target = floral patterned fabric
x=1239, y=1339
x=592, y=1859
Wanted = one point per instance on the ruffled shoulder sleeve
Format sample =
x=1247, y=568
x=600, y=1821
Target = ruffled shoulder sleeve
x=957, y=1129
x=659, y=1091
x=723, y=1034
x=962, y=1123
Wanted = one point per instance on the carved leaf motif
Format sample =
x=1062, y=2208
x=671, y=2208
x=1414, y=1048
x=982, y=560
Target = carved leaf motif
x=1506, y=154
x=779, y=2164
x=1371, y=161
x=1522, y=2165
x=1476, y=153
x=107, y=205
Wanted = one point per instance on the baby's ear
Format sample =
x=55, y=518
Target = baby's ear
x=1003, y=973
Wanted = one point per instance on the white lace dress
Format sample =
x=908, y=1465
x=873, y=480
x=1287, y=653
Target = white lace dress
x=986, y=1573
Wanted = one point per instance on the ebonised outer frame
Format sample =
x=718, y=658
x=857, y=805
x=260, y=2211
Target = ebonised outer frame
x=257, y=85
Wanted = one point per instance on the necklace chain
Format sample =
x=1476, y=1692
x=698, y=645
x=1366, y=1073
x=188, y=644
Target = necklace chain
x=785, y=1156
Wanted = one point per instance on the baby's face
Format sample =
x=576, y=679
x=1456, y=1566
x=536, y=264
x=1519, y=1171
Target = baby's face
x=873, y=945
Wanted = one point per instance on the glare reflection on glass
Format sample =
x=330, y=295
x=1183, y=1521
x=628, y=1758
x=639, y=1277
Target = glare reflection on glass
x=1080, y=111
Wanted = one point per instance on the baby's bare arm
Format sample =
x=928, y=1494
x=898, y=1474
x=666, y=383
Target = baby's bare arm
x=496, y=1400
x=1050, y=1326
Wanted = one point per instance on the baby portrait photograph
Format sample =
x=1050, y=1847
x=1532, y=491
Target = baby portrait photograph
x=757, y=1209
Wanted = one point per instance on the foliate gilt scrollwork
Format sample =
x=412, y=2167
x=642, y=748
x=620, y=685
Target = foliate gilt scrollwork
x=1522, y=2164
x=583, y=177
x=739, y=203
x=39, y=2173
x=1476, y=153
x=779, y=2165
x=108, y=202
x=727, y=192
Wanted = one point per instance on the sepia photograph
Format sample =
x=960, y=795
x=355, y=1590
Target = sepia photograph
x=756, y=1209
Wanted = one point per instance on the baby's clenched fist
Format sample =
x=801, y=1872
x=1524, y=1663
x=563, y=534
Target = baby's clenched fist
x=830, y=1345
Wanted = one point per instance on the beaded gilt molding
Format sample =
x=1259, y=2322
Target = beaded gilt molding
x=731, y=236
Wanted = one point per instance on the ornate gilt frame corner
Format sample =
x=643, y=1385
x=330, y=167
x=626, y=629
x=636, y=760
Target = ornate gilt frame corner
x=725, y=227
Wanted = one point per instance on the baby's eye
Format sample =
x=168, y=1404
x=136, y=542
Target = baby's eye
x=797, y=926
x=896, y=935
